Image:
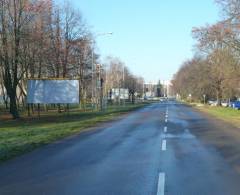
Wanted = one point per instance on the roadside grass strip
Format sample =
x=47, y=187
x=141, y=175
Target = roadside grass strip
x=24, y=135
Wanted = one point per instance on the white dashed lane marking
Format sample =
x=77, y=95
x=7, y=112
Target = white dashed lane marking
x=165, y=129
x=164, y=145
x=161, y=184
x=161, y=178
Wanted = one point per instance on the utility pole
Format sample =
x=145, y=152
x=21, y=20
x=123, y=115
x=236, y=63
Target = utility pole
x=92, y=98
x=204, y=98
x=93, y=67
x=164, y=89
x=98, y=84
x=124, y=85
x=101, y=94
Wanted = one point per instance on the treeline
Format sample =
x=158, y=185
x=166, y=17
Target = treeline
x=39, y=39
x=118, y=75
x=214, y=71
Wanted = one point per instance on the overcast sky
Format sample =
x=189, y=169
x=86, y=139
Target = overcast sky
x=153, y=37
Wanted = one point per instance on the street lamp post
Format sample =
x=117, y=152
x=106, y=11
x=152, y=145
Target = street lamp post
x=190, y=97
x=204, y=98
x=92, y=100
x=123, y=86
x=94, y=88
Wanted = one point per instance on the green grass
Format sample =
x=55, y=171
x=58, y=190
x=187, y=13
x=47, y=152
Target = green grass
x=24, y=135
x=227, y=114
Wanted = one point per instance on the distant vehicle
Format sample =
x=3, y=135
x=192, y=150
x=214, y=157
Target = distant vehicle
x=212, y=102
x=225, y=103
x=156, y=98
x=164, y=99
x=235, y=105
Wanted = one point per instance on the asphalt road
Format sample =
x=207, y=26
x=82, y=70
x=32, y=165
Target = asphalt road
x=156, y=150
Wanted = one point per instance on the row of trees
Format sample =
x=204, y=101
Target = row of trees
x=214, y=71
x=41, y=40
x=119, y=76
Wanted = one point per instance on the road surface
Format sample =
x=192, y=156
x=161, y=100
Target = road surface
x=153, y=151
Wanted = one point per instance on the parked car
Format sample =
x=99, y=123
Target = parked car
x=212, y=102
x=225, y=104
x=235, y=104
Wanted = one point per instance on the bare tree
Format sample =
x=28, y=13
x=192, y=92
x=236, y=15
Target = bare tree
x=15, y=19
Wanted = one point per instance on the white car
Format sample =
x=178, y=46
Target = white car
x=212, y=103
x=225, y=104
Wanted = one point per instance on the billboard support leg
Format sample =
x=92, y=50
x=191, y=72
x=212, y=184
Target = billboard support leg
x=38, y=107
x=68, y=108
x=28, y=108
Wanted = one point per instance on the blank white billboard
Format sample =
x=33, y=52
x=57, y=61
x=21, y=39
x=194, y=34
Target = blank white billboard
x=122, y=93
x=53, y=92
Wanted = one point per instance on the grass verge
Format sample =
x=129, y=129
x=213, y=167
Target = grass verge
x=24, y=135
x=226, y=114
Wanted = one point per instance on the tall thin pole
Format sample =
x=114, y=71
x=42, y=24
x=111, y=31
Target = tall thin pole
x=143, y=95
x=93, y=85
x=123, y=86
x=92, y=77
x=164, y=88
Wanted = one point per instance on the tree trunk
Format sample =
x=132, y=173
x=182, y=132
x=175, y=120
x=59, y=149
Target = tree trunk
x=6, y=104
x=13, y=104
x=219, y=93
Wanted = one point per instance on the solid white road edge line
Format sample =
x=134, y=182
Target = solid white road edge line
x=164, y=145
x=161, y=184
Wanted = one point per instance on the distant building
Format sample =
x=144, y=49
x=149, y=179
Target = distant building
x=118, y=93
x=162, y=89
x=167, y=88
x=150, y=90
